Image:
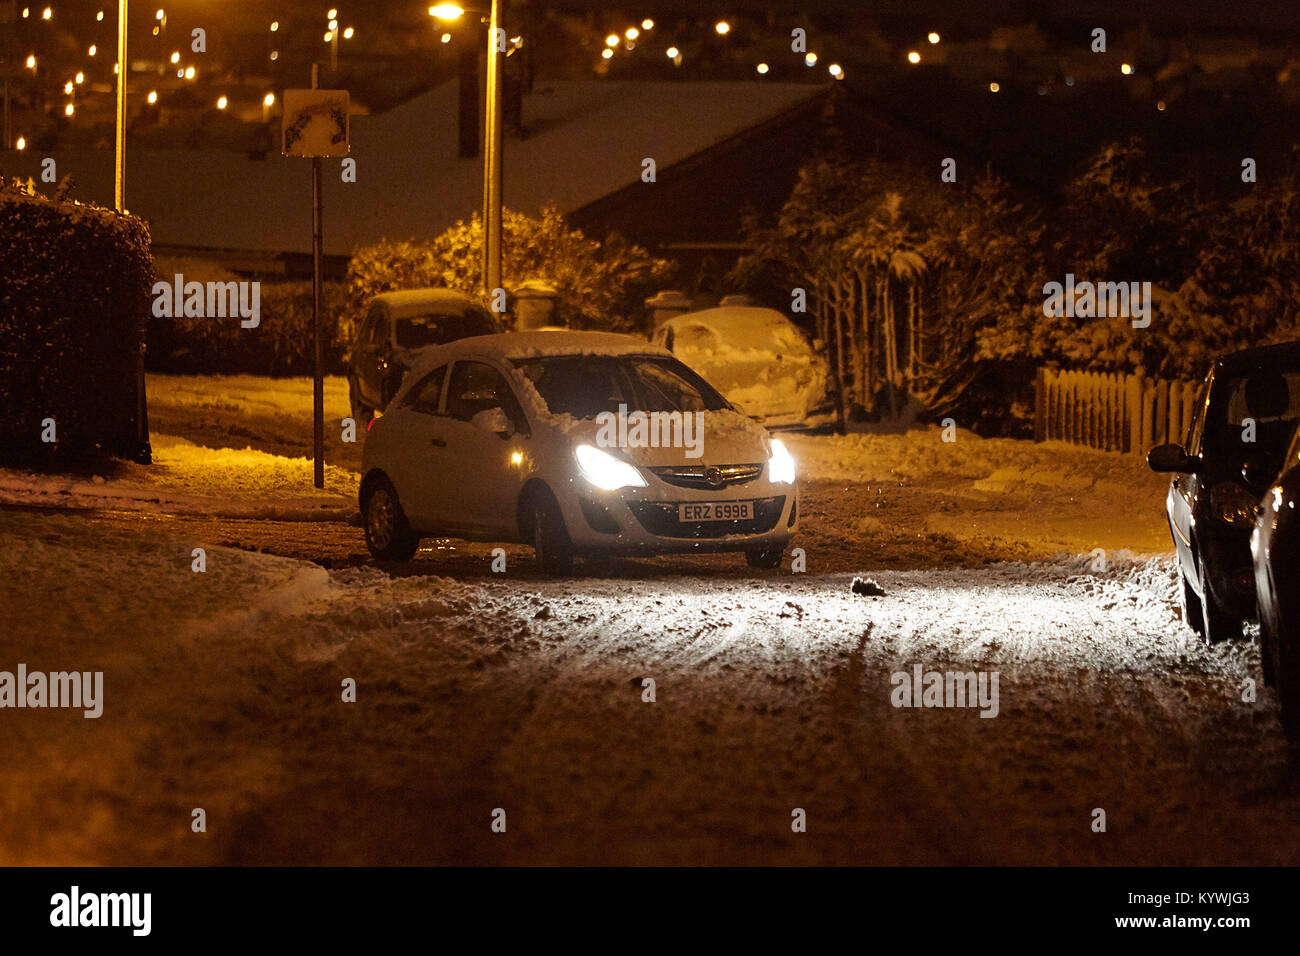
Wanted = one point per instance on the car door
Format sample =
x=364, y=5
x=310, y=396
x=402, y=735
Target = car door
x=486, y=477
x=368, y=361
x=420, y=465
x=1184, y=488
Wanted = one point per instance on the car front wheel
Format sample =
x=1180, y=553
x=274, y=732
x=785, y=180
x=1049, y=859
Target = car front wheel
x=388, y=534
x=1220, y=625
x=1192, y=613
x=551, y=540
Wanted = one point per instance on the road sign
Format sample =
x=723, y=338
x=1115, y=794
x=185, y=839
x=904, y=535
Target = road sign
x=315, y=123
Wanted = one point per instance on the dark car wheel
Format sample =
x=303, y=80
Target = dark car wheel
x=1220, y=625
x=551, y=540
x=764, y=558
x=1287, y=644
x=388, y=534
x=361, y=412
x=1192, y=613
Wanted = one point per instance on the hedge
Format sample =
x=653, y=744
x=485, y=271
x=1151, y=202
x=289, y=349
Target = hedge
x=75, y=284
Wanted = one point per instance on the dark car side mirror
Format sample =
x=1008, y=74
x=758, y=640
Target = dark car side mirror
x=1172, y=458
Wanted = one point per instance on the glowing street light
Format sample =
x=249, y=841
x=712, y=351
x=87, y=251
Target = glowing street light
x=446, y=11
x=632, y=33
x=672, y=53
x=222, y=102
x=647, y=24
x=347, y=33
x=67, y=87
x=69, y=110
x=46, y=14
x=836, y=71
x=176, y=56
x=913, y=57
x=189, y=73
x=810, y=59
x=933, y=37
x=80, y=78
x=21, y=143
x=1125, y=68
x=31, y=63
x=611, y=40
x=723, y=27
x=762, y=68
x=332, y=14
x=446, y=38
x=994, y=87
x=93, y=50
x=607, y=54
x=152, y=97
x=275, y=25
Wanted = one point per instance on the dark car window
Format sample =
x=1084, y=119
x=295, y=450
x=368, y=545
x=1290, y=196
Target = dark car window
x=440, y=327
x=425, y=395
x=476, y=387
x=1270, y=398
x=586, y=385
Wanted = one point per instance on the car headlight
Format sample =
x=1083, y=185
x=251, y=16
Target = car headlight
x=605, y=471
x=1234, y=505
x=780, y=465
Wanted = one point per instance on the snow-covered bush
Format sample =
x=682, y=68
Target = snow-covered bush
x=74, y=294
x=601, y=285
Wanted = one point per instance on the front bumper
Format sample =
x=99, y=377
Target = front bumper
x=645, y=520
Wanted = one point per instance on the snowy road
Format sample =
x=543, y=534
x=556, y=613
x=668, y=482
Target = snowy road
x=772, y=692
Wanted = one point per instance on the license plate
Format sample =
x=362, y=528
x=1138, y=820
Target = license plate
x=716, y=511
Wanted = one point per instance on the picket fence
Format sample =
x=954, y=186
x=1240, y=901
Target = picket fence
x=1124, y=413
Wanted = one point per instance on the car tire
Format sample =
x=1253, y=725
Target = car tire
x=361, y=412
x=1269, y=647
x=1288, y=680
x=1193, y=614
x=388, y=533
x=1220, y=625
x=766, y=558
x=551, y=542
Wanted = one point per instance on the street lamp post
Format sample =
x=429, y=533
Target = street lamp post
x=492, y=160
x=491, y=143
x=119, y=157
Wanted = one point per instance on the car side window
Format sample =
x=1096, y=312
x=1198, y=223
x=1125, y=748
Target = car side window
x=424, y=397
x=1196, y=428
x=476, y=387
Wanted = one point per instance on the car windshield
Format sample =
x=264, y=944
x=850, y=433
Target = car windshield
x=442, y=326
x=1255, y=413
x=586, y=385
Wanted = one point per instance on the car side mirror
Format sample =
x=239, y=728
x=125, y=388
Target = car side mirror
x=1172, y=458
x=493, y=420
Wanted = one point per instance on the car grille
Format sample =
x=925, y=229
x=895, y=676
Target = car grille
x=708, y=476
x=660, y=518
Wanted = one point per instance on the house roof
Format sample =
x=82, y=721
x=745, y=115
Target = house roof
x=585, y=139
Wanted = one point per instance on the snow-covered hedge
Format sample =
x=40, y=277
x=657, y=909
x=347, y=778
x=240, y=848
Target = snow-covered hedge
x=74, y=293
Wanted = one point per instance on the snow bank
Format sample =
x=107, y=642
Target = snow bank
x=191, y=479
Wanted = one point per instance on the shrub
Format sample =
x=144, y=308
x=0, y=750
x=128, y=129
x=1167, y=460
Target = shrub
x=74, y=294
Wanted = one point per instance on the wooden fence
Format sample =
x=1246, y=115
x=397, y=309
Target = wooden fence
x=1125, y=413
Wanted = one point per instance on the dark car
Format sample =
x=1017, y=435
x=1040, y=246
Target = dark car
x=1275, y=546
x=1243, y=422
x=396, y=327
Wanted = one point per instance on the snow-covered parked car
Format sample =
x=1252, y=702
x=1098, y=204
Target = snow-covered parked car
x=396, y=327
x=758, y=359
x=579, y=443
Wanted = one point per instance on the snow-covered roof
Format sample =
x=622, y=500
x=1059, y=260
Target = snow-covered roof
x=744, y=325
x=418, y=301
x=585, y=139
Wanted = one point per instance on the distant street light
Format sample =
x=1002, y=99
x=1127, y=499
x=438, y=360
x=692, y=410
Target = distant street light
x=647, y=24
x=222, y=102
x=933, y=38
x=446, y=11
x=762, y=68
x=913, y=57
x=723, y=27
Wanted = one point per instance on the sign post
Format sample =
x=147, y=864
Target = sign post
x=315, y=125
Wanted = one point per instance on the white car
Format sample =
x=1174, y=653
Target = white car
x=758, y=359
x=579, y=443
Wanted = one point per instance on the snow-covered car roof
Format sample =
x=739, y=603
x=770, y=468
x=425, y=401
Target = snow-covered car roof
x=407, y=302
x=508, y=346
x=741, y=324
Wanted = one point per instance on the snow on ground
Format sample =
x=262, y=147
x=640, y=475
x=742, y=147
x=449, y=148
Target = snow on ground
x=772, y=690
x=190, y=479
